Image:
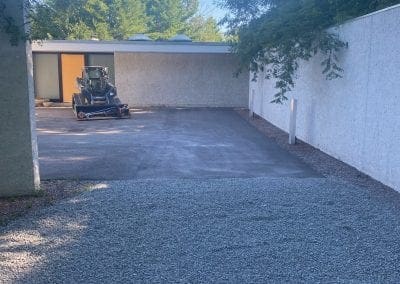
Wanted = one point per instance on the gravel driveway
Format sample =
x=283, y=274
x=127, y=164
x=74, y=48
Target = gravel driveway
x=216, y=230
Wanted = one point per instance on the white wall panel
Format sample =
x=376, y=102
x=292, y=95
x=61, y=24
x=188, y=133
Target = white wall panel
x=357, y=118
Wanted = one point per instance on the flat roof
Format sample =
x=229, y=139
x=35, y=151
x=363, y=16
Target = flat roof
x=95, y=46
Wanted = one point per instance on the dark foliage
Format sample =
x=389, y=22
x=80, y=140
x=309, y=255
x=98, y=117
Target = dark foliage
x=274, y=35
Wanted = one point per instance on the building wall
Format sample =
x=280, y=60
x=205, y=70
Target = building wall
x=357, y=118
x=175, y=79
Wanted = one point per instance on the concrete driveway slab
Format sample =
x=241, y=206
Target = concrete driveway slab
x=159, y=143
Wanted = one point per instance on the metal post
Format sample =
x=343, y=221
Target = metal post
x=251, y=111
x=292, y=123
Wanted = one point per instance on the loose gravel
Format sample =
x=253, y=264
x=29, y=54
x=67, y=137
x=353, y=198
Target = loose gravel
x=202, y=231
x=51, y=191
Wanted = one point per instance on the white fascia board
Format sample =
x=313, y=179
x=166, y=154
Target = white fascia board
x=124, y=46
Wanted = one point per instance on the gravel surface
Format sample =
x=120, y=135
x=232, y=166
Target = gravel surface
x=50, y=192
x=215, y=230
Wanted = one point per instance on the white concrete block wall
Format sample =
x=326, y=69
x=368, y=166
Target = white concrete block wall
x=357, y=118
x=177, y=79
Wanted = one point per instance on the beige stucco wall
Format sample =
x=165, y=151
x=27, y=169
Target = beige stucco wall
x=171, y=79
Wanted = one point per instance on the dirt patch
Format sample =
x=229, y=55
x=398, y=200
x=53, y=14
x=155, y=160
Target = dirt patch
x=50, y=192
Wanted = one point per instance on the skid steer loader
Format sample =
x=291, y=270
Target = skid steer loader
x=97, y=97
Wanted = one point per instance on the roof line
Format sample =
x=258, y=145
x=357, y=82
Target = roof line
x=133, y=42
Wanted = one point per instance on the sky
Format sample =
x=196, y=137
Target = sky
x=208, y=8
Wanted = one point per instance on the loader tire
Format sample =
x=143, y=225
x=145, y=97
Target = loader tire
x=81, y=115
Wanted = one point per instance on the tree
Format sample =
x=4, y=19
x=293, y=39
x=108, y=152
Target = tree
x=169, y=17
x=127, y=17
x=204, y=29
x=72, y=19
x=111, y=19
x=274, y=35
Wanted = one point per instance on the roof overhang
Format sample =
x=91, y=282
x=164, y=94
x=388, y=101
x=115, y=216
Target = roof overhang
x=129, y=46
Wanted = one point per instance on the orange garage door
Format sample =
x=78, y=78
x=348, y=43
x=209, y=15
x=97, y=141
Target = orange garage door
x=71, y=68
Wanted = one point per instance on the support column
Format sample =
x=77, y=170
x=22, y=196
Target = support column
x=292, y=121
x=19, y=166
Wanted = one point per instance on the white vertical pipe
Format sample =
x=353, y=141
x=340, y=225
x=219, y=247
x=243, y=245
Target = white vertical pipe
x=292, y=123
x=251, y=111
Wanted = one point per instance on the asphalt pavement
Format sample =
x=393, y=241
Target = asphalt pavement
x=164, y=143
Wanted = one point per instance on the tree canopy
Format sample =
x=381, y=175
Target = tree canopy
x=119, y=19
x=114, y=19
x=274, y=35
